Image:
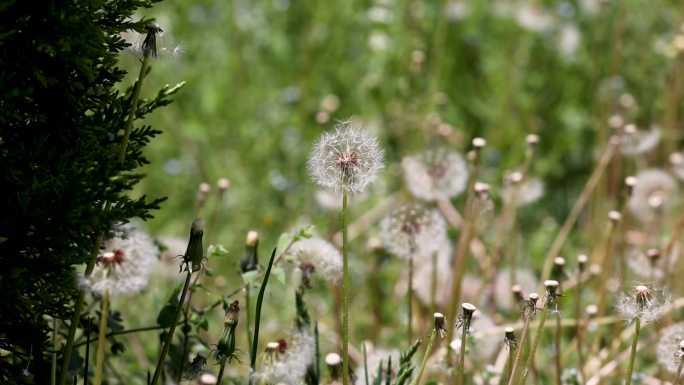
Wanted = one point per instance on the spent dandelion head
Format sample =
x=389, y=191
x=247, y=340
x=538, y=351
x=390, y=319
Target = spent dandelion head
x=440, y=324
x=124, y=263
x=413, y=231
x=669, y=346
x=287, y=363
x=649, y=263
x=529, y=307
x=436, y=174
x=346, y=159
x=316, y=255
x=510, y=339
x=644, y=302
x=654, y=192
x=635, y=142
x=528, y=190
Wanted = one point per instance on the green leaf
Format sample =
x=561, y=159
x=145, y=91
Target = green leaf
x=250, y=276
x=279, y=274
x=283, y=242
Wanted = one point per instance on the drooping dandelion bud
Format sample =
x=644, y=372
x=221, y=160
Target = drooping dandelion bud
x=250, y=259
x=194, y=254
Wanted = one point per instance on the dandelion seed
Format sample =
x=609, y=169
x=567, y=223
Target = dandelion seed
x=643, y=302
x=636, y=142
x=413, y=231
x=124, y=263
x=668, y=348
x=653, y=193
x=435, y=175
x=317, y=255
x=346, y=159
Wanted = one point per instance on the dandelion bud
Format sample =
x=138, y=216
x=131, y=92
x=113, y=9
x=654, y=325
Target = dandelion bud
x=223, y=184
x=334, y=363
x=225, y=349
x=558, y=270
x=250, y=259
x=510, y=339
x=194, y=254
x=232, y=314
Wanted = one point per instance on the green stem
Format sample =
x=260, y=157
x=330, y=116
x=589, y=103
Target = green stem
x=169, y=335
x=220, y=373
x=460, y=369
x=249, y=314
x=433, y=335
x=509, y=365
x=559, y=364
x=518, y=355
x=128, y=331
x=257, y=315
x=632, y=355
x=121, y=156
x=345, y=294
x=533, y=349
x=101, y=340
x=409, y=300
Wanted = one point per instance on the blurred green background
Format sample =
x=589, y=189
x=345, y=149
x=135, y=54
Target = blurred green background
x=265, y=78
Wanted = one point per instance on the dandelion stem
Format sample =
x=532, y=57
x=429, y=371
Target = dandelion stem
x=409, y=302
x=579, y=328
x=101, y=341
x=559, y=364
x=516, y=363
x=509, y=365
x=460, y=368
x=591, y=184
x=632, y=355
x=533, y=349
x=249, y=314
x=92, y=258
x=428, y=349
x=169, y=335
x=220, y=373
x=345, y=294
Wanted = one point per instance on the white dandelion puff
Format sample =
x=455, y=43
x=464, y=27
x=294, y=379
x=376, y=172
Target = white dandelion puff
x=319, y=256
x=649, y=264
x=124, y=263
x=346, y=159
x=436, y=174
x=635, y=142
x=413, y=231
x=668, y=346
x=529, y=190
x=289, y=361
x=644, y=302
x=653, y=193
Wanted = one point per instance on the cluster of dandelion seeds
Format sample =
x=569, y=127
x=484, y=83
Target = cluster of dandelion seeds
x=653, y=193
x=316, y=255
x=413, y=231
x=289, y=361
x=645, y=303
x=124, y=263
x=436, y=174
x=668, y=346
x=346, y=159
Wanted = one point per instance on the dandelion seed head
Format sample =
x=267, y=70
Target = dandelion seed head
x=320, y=256
x=413, y=231
x=288, y=366
x=124, y=263
x=529, y=190
x=653, y=193
x=668, y=346
x=636, y=142
x=346, y=159
x=649, y=264
x=645, y=303
x=434, y=175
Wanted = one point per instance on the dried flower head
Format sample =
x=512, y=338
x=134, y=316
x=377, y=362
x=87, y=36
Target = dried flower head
x=124, y=263
x=346, y=159
x=649, y=264
x=440, y=324
x=434, y=175
x=510, y=339
x=635, y=142
x=653, y=193
x=148, y=43
x=288, y=366
x=669, y=346
x=413, y=231
x=317, y=255
x=645, y=303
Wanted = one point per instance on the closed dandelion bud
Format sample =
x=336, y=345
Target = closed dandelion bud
x=250, y=259
x=334, y=363
x=225, y=349
x=194, y=254
x=558, y=271
x=510, y=339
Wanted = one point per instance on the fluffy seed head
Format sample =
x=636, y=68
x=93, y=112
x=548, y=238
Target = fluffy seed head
x=649, y=264
x=288, y=366
x=434, y=175
x=669, y=346
x=635, y=142
x=317, y=255
x=413, y=231
x=653, y=193
x=124, y=264
x=346, y=159
x=529, y=190
x=643, y=302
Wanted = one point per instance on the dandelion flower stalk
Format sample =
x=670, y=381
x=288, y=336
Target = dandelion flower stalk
x=225, y=349
x=192, y=261
x=551, y=303
x=579, y=329
x=465, y=320
x=345, y=294
x=78, y=305
x=529, y=309
x=512, y=342
x=438, y=329
x=101, y=339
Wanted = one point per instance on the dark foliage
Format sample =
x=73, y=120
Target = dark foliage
x=61, y=123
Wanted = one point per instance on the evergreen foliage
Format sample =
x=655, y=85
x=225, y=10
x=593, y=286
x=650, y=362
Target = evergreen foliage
x=61, y=125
